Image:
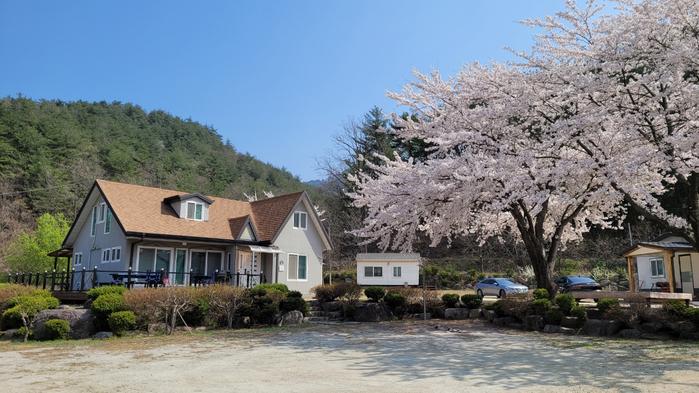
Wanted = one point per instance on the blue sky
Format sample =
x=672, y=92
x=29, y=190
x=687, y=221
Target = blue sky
x=277, y=78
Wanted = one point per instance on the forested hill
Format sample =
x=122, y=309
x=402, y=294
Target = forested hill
x=56, y=149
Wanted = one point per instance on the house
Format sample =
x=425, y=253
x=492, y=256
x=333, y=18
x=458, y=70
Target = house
x=388, y=269
x=669, y=261
x=189, y=235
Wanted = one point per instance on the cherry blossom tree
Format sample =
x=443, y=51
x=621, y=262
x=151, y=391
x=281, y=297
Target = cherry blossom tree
x=600, y=113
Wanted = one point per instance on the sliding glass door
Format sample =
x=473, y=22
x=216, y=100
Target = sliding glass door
x=154, y=259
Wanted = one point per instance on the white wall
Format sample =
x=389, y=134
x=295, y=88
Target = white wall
x=410, y=273
x=304, y=242
x=645, y=279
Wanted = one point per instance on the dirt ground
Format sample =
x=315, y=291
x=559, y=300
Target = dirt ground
x=382, y=357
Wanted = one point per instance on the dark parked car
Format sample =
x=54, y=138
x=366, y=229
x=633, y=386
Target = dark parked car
x=577, y=283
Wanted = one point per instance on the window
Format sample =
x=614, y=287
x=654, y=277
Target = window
x=116, y=254
x=102, y=212
x=397, y=271
x=300, y=220
x=298, y=267
x=78, y=259
x=373, y=271
x=195, y=211
x=106, y=254
x=657, y=267
x=94, y=221
x=108, y=222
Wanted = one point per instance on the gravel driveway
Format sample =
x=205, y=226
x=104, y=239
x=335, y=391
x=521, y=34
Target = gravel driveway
x=383, y=357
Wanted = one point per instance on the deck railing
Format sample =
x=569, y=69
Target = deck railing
x=83, y=279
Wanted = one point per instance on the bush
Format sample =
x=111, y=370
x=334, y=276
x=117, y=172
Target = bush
x=349, y=292
x=498, y=307
x=9, y=291
x=326, y=293
x=541, y=293
x=394, y=300
x=471, y=301
x=292, y=303
x=553, y=316
x=294, y=294
x=11, y=319
x=57, y=329
x=565, y=302
x=279, y=287
x=94, y=293
x=375, y=293
x=540, y=306
x=121, y=321
x=450, y=300
x=28, y=306
x=108, y=303
x=607, y=304
x=578, y=312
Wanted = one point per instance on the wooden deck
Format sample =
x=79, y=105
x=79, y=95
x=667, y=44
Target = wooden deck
x=648, y=297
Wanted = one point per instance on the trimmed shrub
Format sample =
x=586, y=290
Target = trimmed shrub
x=412, y=295
x=394, y=300
x=497, y=306
x=94, y=293
x=540, y=306
x=375, y=294
x=607, y=304
x=279, y=287
x=541, y=293
x=57, y=329
x=348, y=292
x=108, y=303
x=28, y=306
x=565, y=302
x=325, y=293
x=471, y=301
x=450, y=300
x=121, y=321
x=292, y=303
x=294, y=294
x=578, y=312
x=11, y=319
x=553, y=316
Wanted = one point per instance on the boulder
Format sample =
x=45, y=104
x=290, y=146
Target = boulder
x=516, y=325
x=503, y=321
x=682, y=328
x=103, y=335
x=474, y=313
x=571, y=322
x=567, y=331
x=372, y=312
x=81, y=320
x=294, y=317
x=422, y=316
x=552, y=329
x=599, y=327
x=534, y=322
x=456, y=313
x=9, y=334
x=157, y=328
x=651, y=327
x=629, y=333
x=489, y=315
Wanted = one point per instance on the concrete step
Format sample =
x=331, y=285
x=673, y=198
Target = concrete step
x=316, y=313
x=317, y=319
x=333, y=314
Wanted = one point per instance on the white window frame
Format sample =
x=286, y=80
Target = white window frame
x=115, y=250
x=300, y=214
x=297, y=267
x=400, y=271
x=109, y=219
x=77, y=259
x=657, y=262
x=194, y=215
x=108, y=253
x=102, y=212
x=373, y=271
x=93, y=222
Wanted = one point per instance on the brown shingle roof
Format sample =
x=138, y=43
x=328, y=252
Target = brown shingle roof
x=141, y=209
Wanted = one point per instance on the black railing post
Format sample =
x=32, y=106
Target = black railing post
x=128, y=278
x=94, y=277
x=36, y=281
x=53, y=280
x=46, y=272
x=247, y=277
x=82, y=279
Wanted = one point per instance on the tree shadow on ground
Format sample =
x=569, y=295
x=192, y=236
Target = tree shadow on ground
x=482, y=355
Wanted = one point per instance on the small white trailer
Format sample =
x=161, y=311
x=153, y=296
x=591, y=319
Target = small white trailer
x=388, y=269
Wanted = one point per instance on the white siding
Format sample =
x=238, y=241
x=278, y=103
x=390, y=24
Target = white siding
x=304, y=242
x=645, y=278
x=410, y=273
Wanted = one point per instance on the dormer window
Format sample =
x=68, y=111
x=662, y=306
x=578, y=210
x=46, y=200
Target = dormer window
x=195, y=210
x=300, y=219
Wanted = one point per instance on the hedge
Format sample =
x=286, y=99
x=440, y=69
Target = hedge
x=57, y=329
